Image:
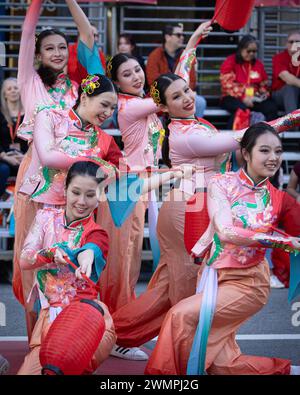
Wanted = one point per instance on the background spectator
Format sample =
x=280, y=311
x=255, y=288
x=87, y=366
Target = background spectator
x=294, y=182
x=165, y=59
x=126, y=44
x=286, y=81
x=11, y=147
x=244, y=82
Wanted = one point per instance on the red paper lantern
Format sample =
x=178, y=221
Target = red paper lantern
x=196, y=219
x=72, y=339
x=233, y=14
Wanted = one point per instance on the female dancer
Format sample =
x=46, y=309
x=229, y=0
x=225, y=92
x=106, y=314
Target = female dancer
x=190, y=141
x=48, y=85
x=52, y=232
x=65, y=137
x=71, y=231
x=140, y=129
x=244, y=208
x=62, y=137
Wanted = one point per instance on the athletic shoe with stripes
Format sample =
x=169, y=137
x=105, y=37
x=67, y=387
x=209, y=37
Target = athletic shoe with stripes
x=133, y=353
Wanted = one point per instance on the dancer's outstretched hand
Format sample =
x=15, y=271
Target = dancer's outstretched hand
x=59, y=256
x=85, y=260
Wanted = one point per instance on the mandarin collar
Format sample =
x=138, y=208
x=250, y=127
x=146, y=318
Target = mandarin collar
x=188, y=121
x=77, y=222
x=77, y=121
x=131, y=96
x=247, y=180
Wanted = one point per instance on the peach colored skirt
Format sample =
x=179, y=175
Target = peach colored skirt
x=123, y=265
x=31, y=364
x=241, y=294
x=174, y=279
x=23, y=216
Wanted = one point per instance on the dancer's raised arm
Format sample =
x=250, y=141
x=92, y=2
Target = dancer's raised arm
x=87, y=52
x=188, y=56
x=27, y=44
x=83, y=25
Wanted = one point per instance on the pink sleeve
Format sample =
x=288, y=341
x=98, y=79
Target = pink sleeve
x=197, y=144
x=27, y=44
x=33, y=242
x=219, y=209
x=186, y=61
x=136, y=109
x=45, y=144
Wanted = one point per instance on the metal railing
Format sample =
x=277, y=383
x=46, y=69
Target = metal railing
x=146, y=23
x=274, y=23
x=55, y=14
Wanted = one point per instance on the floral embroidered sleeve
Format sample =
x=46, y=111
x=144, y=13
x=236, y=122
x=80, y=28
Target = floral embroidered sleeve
x=186, y=61
x=45, y=144
x=33, y=254
x=97, y=242
x=49, y=151
x=220, y=213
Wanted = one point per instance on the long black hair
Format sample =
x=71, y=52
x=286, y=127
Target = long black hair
x=48, y=76
x=243, y=44
x=85, y=168
x=105, y=85
x=162, y=83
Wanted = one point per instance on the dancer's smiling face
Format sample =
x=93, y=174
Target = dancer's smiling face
x=53, y=52
x=81, y=197
x=264, y=158
x=96, y=109
x=180, y=99
x=131, y=77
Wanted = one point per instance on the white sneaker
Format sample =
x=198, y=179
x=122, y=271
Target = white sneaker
x=133, y=353
x=275, y=282
x=4, y=365
x=295, y=370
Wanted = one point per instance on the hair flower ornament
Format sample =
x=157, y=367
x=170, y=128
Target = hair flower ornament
x=109, y=68
x=90, y=83
x=154, y=93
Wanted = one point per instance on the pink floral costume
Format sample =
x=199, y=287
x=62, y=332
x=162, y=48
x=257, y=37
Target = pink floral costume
x=199, y=143
x=62, y=140
x=56, y=285
x=33, y=93
x=233, y=283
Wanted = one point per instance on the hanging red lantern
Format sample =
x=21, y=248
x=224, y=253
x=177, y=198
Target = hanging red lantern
x=73, y=339
x=232, y=15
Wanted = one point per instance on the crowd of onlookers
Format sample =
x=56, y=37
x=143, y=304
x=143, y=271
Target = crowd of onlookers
x=245, y=91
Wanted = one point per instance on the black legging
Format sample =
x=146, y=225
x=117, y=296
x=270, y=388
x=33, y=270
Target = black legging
x=268, y=107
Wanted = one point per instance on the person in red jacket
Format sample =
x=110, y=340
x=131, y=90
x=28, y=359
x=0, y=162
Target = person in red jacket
x=244, y=82
x=286, y=76
x=164, y=60
x=76, y=71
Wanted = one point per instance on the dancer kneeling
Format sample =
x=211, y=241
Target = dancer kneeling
x=59, y=237
x=244, y=209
